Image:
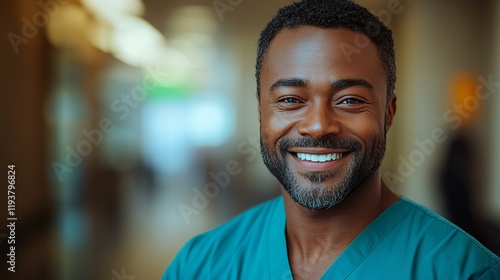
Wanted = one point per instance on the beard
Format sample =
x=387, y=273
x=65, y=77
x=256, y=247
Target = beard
x=313, y=194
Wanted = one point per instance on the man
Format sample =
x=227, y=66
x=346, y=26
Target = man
x=325, y=106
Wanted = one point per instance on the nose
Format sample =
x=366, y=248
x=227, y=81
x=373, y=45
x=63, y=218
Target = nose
x=319, y=121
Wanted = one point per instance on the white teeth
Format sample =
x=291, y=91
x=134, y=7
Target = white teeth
x=319, y=158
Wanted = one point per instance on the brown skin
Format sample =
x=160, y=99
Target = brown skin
x=315, y=238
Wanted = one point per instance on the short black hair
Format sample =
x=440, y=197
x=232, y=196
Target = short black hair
x=331, y=14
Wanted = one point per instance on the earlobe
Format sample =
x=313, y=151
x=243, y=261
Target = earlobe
x=391, y=110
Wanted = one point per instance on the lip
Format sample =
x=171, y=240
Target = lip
x=311, y=166
x=317, y=151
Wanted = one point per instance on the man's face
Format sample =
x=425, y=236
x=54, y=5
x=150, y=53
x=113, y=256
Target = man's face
x=322, y=112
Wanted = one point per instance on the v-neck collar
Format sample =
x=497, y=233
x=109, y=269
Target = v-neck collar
x=350, y=258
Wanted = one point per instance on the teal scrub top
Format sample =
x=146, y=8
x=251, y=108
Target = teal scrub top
x=407, y=241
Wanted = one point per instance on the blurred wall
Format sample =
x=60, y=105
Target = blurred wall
x=24, y=75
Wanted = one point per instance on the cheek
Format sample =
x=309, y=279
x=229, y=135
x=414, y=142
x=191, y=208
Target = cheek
x=368, y=130
x=280, y=124
x=275, y=125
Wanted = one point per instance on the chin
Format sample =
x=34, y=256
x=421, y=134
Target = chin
x=319, y=196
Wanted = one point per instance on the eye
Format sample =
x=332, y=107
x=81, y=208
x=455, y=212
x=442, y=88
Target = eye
x=289, y=100
x=350, y=101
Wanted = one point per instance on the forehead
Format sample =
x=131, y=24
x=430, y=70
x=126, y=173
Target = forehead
x=322, y=53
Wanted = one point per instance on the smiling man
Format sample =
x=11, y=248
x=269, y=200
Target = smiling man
x=324, y=111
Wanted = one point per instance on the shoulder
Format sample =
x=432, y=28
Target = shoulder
x=443, y=247
x=243, y=224
x=226, y=245
x=435, y=226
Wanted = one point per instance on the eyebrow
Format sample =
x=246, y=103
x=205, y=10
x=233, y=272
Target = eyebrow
x=289, y=82
x=345, y=83
x=339, y=84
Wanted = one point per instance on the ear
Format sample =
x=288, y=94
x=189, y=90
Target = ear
x=391, y=110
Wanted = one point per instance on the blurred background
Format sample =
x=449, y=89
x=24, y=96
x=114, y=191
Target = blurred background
x=133, y=125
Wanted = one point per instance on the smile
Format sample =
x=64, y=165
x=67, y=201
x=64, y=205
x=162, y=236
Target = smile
x=319, y=158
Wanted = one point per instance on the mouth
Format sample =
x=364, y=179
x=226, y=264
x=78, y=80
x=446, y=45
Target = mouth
x=319, y=157
x=318, y=160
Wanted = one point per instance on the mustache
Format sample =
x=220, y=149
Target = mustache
x=350, y=144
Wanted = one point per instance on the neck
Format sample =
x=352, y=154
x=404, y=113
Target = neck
x=326, y=233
